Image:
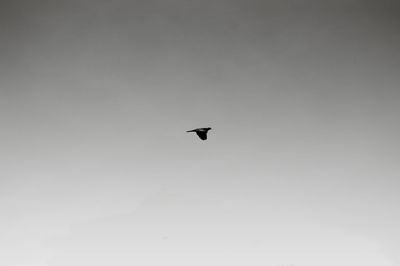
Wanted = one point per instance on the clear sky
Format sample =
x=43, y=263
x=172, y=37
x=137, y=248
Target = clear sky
x=301, y=167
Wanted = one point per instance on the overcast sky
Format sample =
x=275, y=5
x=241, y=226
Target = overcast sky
x=301, y=167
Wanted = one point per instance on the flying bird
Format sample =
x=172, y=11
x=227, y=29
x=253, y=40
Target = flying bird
x=201, y=132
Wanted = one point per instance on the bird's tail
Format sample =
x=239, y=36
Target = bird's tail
x=190, y=131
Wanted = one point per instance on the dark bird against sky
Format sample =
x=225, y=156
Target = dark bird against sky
x=201, y=132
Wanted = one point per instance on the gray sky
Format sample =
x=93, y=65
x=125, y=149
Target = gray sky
x=301, y=167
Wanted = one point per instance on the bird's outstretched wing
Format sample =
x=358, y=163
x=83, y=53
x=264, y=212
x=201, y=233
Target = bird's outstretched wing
x=202, y=135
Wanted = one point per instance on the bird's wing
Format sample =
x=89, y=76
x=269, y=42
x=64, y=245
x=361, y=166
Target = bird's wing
x=202, y=135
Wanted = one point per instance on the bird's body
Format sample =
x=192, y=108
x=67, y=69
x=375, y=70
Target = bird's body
x=201, y=132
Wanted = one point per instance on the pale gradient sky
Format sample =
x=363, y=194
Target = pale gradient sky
x=302, y=165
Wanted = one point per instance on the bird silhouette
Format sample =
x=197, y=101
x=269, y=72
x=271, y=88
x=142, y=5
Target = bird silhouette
x=201, y=132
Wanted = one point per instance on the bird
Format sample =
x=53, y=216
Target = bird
x=201, y=132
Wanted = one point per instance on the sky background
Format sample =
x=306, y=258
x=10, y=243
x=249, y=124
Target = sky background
x=301, y=166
